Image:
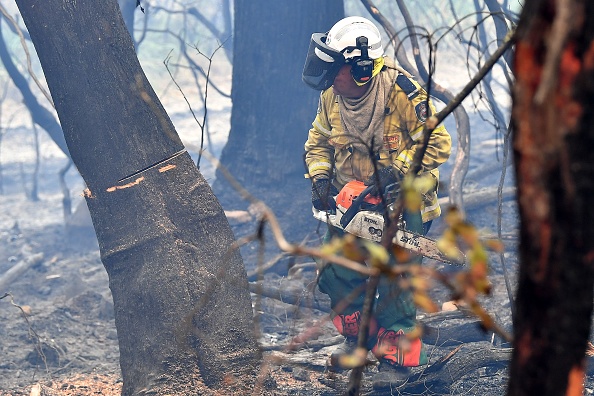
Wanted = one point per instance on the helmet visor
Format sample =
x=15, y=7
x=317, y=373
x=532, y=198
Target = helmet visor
x=322, y=63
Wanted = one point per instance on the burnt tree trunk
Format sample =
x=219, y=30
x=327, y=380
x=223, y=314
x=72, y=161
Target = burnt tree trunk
x=128, y=8
x=182, y=307
x=553, y=115
x=272, y=108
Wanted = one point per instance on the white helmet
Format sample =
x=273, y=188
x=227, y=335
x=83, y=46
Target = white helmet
x=345, y=33
x=352, y=40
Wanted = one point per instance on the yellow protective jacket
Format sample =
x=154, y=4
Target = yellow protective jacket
x=403, y=134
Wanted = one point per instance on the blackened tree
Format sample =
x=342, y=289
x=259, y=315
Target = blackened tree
x=553, y=114
x=272, y=108
x=182, y=307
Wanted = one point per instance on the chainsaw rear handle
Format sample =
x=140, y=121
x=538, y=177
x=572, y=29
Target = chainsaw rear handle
x=354, y=208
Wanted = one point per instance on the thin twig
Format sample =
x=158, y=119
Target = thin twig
x=32, y=333
x=28, y=56
x=506, y=152
x=438, y=118
x=560, y=30
x=202, y=124
x=266, y=214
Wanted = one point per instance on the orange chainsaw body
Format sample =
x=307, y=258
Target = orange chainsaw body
x=351, y=191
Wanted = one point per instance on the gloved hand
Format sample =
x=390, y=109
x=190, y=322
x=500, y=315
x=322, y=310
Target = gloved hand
x=384, y=180
x=322, y=194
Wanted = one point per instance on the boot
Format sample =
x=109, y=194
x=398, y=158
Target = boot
x=396, y=348
x=347, y=347
x=389, y=375
x=348, y=325
x=396, y=354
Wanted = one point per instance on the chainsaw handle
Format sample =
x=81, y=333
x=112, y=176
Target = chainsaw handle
x=354, y=208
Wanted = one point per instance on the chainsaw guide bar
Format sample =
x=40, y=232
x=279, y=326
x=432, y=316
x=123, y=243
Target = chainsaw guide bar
x=370, y=225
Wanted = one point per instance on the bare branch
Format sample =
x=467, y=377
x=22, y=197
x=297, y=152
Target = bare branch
x=24, y=45
x=439, y=117
x=562, y=25
x=462, y=121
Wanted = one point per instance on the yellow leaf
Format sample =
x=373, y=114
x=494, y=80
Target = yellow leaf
x=401, y=254
x=349, y=361
x=478, y=256
x=351, y=248
x=468, y=233
x=424, y=183
x=412, y=200
x=333, y=247
x=423, y=301
x=448, y=246
x=453, y=217
x=416, y=332
x=495, y=245
x=420, y=283
x=378, y=255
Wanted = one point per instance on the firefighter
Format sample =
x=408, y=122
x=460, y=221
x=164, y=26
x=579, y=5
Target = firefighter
x=371, y=115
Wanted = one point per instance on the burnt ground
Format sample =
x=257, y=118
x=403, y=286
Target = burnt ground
x=59, y=336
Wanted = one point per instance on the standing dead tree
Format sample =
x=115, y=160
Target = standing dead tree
x=553, y=114
x=182, y=307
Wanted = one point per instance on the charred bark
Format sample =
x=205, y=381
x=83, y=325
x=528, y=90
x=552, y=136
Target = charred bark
x=182, y=305
x=553, y=114
x=272, y=108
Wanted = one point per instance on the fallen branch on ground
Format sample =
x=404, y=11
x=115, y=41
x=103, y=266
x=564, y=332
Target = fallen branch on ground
x=291, y=295
x=462, y=360
x=20, y=268
x=480, y=198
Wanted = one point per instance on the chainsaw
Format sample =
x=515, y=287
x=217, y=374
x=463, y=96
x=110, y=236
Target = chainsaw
x=355, y=215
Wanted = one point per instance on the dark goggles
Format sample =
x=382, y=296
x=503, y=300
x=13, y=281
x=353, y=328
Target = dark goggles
x=319, y=73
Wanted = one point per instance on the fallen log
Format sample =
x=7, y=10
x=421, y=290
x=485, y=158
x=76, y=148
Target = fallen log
x=445, y=329
x=270, y=265
x=19, y=268
x=477, y=358
x=441, y=329
x=486, y=170
x=479, y=174
x=439, y=377
x=480, y=198
x=311, y=345
x=291, y=294
x=312, y=361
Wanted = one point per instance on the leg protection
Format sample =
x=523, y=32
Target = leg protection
x=395, y=348
x=349, y=324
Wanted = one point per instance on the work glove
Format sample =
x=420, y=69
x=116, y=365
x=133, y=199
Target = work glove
x=322, y=195
x=385, y=181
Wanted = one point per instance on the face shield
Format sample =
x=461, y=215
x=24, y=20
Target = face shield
x=322, y=63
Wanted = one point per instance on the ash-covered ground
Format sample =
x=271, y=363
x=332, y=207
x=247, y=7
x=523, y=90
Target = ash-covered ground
x=56, y=317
